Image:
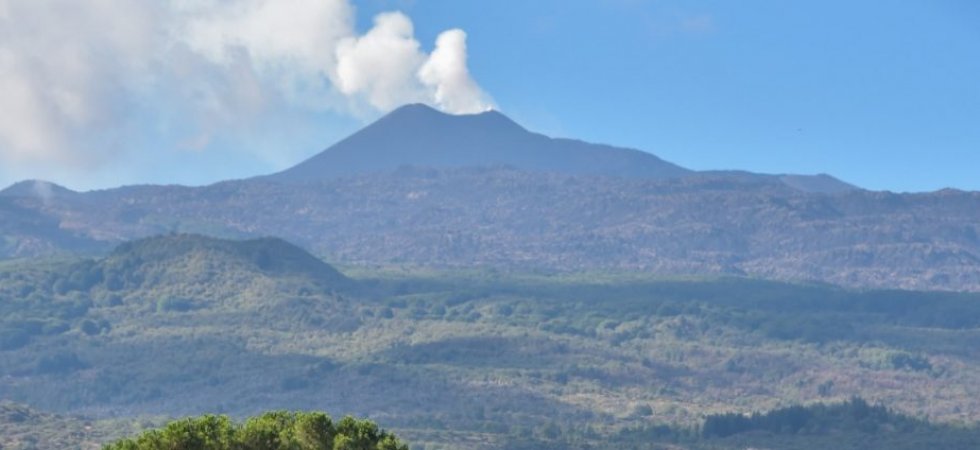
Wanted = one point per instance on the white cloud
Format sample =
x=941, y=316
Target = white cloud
x=79, y=79
x=62, y=68
x=289, y=43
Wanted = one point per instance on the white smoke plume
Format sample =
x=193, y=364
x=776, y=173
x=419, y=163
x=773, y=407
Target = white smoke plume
x=79, y=76
x=381, y=65
x=446, y=73
x=43, y=190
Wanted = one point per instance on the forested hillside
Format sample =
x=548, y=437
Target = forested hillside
x=473, y=359
x=518, y=221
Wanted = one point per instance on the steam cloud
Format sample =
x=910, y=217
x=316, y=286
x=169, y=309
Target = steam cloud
x=77, y=76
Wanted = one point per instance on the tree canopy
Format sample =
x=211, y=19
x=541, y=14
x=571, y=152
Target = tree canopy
x=277, y=430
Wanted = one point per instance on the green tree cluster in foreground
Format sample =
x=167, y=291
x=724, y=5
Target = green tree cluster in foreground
x=279, y=430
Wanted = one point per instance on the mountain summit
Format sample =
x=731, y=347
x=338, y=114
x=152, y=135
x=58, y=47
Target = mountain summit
x=417, y=135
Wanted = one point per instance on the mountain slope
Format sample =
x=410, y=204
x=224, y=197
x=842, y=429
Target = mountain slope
x=519, y=220
x=27, y=230
x=417, y=135
x=820, y=183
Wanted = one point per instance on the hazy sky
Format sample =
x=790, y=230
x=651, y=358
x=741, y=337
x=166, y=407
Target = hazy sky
x=98, y=93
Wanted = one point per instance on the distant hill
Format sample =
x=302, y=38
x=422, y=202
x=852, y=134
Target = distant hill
x=813, y=184
x=36, y=188
x=821, y=183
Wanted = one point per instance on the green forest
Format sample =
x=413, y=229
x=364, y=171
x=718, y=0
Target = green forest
x=181, y=326
x=278, y=430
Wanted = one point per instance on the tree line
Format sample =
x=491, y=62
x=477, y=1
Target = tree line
x=278, y=430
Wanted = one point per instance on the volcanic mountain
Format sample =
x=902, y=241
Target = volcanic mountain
x=419, y=136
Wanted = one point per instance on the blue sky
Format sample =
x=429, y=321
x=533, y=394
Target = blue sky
x=885, y=95
x=882, y=94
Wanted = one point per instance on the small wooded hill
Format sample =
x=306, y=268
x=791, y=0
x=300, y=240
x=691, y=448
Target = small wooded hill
x=179, y=273
x=196, y=259
x=197, y=263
